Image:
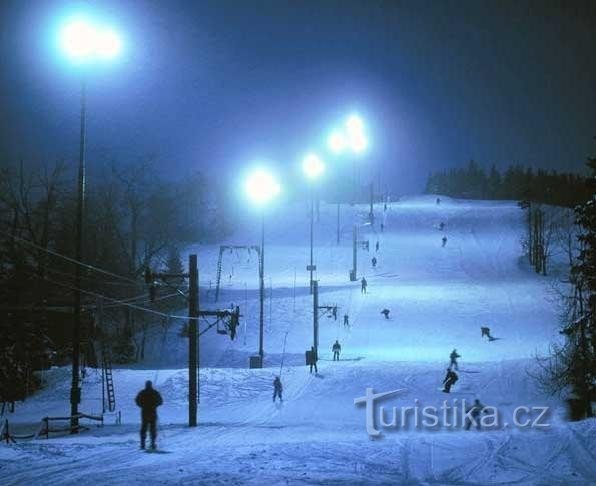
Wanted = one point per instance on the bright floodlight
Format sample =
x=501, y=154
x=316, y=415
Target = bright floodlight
x=83, y=41
x=313, y=166
x=337, y=142
x=358, y=142
x=354, y=125
x=261, y=187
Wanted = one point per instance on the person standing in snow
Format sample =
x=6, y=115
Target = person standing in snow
x=313, y=359
x=346, y=320
x=442, y=226
x=336, y=350
x=377, y=246
x=374, y=262
x=453, y=359
x=277, y=389
x=386, y=312
x=444, y=240
x=148, y=400
x=438, y=200
x=475, y=411
x=363, y=285
x=450, y=379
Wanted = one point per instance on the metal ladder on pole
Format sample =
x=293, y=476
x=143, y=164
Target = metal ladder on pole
x=109, y=384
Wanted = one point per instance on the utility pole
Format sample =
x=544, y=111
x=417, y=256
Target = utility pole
x=75, y=390
x=354, y=253
x=262, y=289
x=311, y=268
x=315, y=315
x=193, y=358
x=338, y=205
x=371, y=214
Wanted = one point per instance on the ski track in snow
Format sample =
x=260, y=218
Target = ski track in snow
x=439, y=298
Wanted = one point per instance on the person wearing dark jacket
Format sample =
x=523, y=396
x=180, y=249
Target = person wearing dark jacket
x=450, y=379
x=148, y=400
x=277, y=389
x=453, y=359
x=475, y=411
x=313, y=359
x=336, y=350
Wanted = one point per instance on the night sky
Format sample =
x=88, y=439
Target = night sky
x=218, y=84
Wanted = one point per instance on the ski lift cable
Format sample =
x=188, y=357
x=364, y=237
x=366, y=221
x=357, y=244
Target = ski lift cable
x=71, y=260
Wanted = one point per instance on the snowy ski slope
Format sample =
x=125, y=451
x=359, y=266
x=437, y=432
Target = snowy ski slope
x=439, y=298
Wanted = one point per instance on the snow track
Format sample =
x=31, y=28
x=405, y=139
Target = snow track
x=438, y=297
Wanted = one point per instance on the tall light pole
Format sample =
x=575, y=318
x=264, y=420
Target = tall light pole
x=313, y=167
x=83, y=43
x=261, y=187
x=351, y=137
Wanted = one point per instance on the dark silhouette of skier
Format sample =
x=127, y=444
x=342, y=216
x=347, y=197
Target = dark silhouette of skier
x=377, y=246
x=374, y=262
x=346, y=320
x=336, y=350
x=474, y=411
x=438, y=200
x=453, y=359
x=148, y=400
x=385, y=207
x=386, y=312
x=277, y=389
x=313, y=359
x=363, y=285
x=442, y=226
x=444, y=240
x=485, y=331
x=450, y=379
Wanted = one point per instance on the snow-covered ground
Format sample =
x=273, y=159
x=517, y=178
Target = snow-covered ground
x=439, y=298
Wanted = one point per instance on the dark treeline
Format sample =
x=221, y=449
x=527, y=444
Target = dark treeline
x=133, y=219
x=516, y=183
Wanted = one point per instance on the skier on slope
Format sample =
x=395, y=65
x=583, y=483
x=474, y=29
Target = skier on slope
x=363, y=285
x=336, y=350
x=374, y=262
x=442, y=226
x=346, y=320
x=453, y=359
x=475, y=410
x=277, y=389
x=485, y=331
x=148, y=400
x=438, y=200
x=444, y=240
x=377, y=246
x=450, y=379
x=382, y=227
x=386, y=312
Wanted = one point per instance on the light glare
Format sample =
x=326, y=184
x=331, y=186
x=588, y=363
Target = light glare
x=261, y=187
x=83, y=41
x=313, y=166
x=337, y=142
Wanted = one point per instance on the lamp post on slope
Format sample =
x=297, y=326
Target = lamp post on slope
x=313, y=167
x=261, y=187
x=83, y=43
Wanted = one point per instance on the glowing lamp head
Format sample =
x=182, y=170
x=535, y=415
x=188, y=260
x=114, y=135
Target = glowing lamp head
x=83, y=41
x=337, y=142
x=358, y=143
x=313, y=166
x=261, y=187
x=354, y=125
